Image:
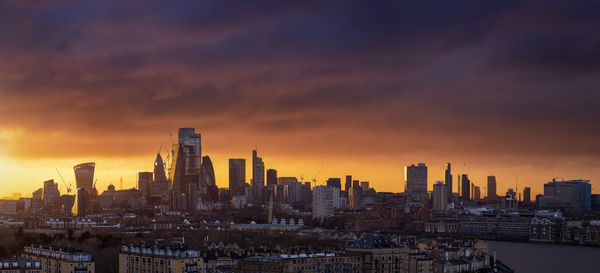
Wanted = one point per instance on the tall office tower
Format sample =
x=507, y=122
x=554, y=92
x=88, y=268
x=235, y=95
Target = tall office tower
x=237, y=174
x=356, y=183
x=334, y=182
x=144, y=183
x=527, y=195
x=83, y=202
x=570, y=193
x=51, y=194
x=271, y=177
x=207, y=173
x=258, y=170
x=185, y=167
x=448, y=180
x=491, y=188
x=416, y=181
x=364, y=185
x=322, y=202
x=192, y=149
x=476, y=193
x=355, y=198
x=159, y=169
x=84, y=175
x=160, y=184
x=348, y=184
x=440, y=196
x=465, y=187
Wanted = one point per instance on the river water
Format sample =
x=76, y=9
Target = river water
x=529, y=257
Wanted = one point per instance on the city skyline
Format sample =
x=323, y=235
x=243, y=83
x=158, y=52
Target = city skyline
x=504, y=88
x=322, y=180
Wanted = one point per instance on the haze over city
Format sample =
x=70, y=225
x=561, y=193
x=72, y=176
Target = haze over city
x=497, y=88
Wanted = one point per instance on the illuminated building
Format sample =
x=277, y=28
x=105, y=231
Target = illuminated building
x=56, y=260
x=157, y=259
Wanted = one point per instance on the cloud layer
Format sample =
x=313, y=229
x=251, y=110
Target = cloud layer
x=498, y=82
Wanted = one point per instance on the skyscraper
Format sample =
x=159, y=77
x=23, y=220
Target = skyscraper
x=83, y=202
x=491, y=188
x=237, y=174
x=51, y=194
x=207, y=172
x=465, y=187
x=185, y=167
x=416, y=181
x=258, y=170
x=476, y=193
x=440, y=196
x=84, y=175
x=448, y=180
x=271, y=177
x=144, y=183
x=192, y=149
x=348, y=184
x=527, y=195
x=159, y=169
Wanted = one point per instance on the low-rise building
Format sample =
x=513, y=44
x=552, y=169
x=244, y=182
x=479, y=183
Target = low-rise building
x=159, y=259
x=60, y=260
x=305, y=263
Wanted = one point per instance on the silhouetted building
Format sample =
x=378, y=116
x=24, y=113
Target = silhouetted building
x=192, y=149
x=476, y=193
x=571, y=193
x=207, y=175
x=83, y=202
x=237, y=174
x=416, y=181
x=271, y=177
x=335, y=182
x=465, y=187
x=185, y=167
x=348, y=184
x=67, y=202
x=448, y=180
x=491, y=188
x=84, y=175
x=51, y=194
x=527, y=195
x=286, y=180
x=355, y=198
x=159, y=188
x=258, y=170
x=440, y=196
x=144, y=183
x=364, y=185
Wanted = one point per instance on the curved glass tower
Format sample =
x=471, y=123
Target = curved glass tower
x=84, y=175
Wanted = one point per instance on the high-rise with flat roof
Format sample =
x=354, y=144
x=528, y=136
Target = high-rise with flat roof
x=465, y=187
x=448, y=180
x=491, y=188
x=416, y=181
x=527, y=195
x=237, y=174
x=440, y=196
x=271, y=177
x=258, y=170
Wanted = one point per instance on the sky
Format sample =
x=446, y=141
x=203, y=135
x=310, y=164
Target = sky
x=505, y=88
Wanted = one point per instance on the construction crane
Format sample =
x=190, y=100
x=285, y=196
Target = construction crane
x=63, y=180
x=317, y=175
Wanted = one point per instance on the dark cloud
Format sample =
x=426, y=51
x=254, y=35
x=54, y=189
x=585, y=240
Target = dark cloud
x=470, y=77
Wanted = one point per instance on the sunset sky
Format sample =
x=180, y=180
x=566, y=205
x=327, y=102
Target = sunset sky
x=509, y=88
